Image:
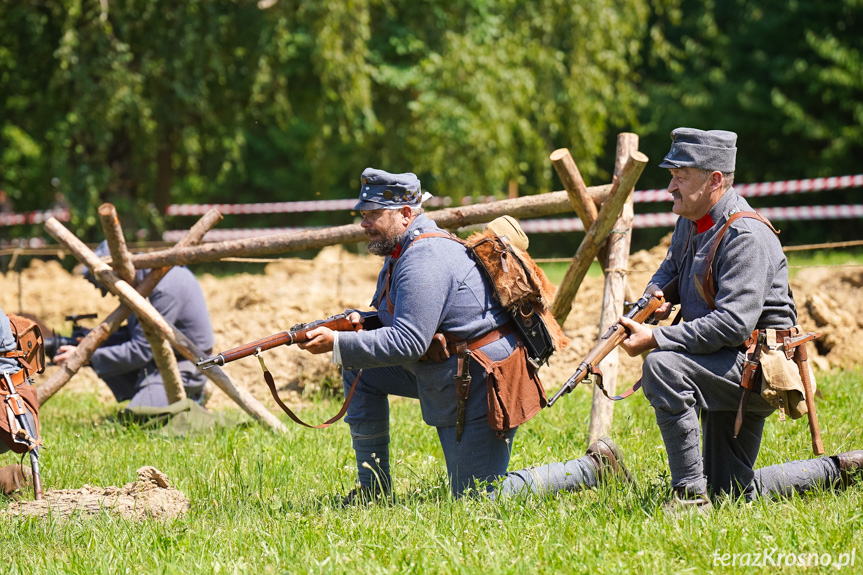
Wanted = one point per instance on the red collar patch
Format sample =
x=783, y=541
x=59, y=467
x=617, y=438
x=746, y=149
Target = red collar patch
x=704, y=224
x=396, y=252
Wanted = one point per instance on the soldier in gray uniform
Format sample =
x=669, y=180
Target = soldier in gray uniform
x=125, y=362
x=698, y=364
x=427, y=286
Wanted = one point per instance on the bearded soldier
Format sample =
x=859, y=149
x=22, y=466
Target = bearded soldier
x=429, y=284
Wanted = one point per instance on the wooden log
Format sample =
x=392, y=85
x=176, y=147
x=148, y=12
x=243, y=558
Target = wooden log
x=163, y=353
x=579, y=197
x=450, y=218
x=146, y=312
x=614, y=294
x=573, y=183
x=97, y=336
x=596, y=235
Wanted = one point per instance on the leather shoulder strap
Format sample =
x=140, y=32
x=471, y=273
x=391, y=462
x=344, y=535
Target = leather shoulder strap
x=707, y=283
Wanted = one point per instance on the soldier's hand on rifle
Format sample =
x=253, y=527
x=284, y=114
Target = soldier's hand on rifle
x=640, y=338
x=320, y=340
x=663, y=311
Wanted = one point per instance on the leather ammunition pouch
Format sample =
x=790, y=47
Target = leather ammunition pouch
x=27, y=402
x=775, y=374
x=515, y=393
x=29, y=352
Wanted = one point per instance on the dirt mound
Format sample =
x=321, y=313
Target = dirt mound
x=246, y=307
x=150, y=497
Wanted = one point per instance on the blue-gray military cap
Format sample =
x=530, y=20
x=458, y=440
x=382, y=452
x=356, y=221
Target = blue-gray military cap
x=382, y=190
x=714, y=150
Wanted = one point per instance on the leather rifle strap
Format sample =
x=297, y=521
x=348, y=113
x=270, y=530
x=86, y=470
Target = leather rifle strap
x=268, y=377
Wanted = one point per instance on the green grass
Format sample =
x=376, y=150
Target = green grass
x=556, y=270
x=839, y=257
x=264, y=503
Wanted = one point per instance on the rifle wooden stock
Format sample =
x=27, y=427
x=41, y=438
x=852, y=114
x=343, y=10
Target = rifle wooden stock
x=297, y=334
x=642, y=310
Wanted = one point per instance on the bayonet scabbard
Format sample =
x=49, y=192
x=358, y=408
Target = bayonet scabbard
x=462, y=387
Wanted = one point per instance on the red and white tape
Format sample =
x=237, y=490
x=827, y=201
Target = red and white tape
x=561, y=225
x=38, y=217
x=281, y=207
x=643, y=196
x=768, y=188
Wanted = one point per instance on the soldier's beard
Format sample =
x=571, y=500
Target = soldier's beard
x=385, y=241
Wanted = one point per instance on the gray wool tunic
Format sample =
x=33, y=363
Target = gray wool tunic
x=7, y=343
x=435, y=287
x=179, y=299
x=751, y=275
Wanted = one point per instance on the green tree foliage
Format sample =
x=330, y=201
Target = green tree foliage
x=150, y=102
x=787, y=76
x=145, y=103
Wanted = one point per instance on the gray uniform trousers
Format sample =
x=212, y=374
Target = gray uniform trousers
x=711, y=383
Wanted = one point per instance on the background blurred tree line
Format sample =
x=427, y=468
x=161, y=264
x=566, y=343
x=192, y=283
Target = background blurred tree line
x=145, y=103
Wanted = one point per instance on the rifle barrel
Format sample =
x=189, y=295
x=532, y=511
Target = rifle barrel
x=616, y=333
x=297, y=334
x=570, y=384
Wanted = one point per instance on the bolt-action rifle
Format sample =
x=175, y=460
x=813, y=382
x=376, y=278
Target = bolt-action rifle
x=641, y=312
x=297, y=334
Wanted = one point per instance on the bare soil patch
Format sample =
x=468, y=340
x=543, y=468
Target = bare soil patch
x=150, y=497
x=246, y=307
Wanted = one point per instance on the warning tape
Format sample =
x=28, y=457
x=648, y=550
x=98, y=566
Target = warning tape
x=643, y=196
x=37, y=217
x=561, y=225
x=769, y=188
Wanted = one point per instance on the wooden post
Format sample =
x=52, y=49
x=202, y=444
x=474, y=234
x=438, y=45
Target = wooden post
x=146, y=312
x=596, y=235
x=163, y=353
x=602, y=409
x=512, y=191
x=581, y=201
x=98, y=335
x=450, y=218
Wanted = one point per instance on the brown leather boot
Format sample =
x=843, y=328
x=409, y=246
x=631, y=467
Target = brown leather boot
x=607, y=457
x=850, y=466
x=684, y=502
x=14, y=477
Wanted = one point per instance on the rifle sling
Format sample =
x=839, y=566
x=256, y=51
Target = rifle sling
x=268, y=377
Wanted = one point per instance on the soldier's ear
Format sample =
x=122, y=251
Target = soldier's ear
x=406, y=213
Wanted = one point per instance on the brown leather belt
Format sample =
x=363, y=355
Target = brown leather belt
x=753, y=337
x=18, y=378
x=482, y=340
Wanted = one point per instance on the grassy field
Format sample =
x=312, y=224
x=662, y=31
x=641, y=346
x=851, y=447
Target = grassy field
x=262, y=503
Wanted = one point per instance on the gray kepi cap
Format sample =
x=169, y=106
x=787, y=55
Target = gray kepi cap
x=713, y=150
x=380, y=190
